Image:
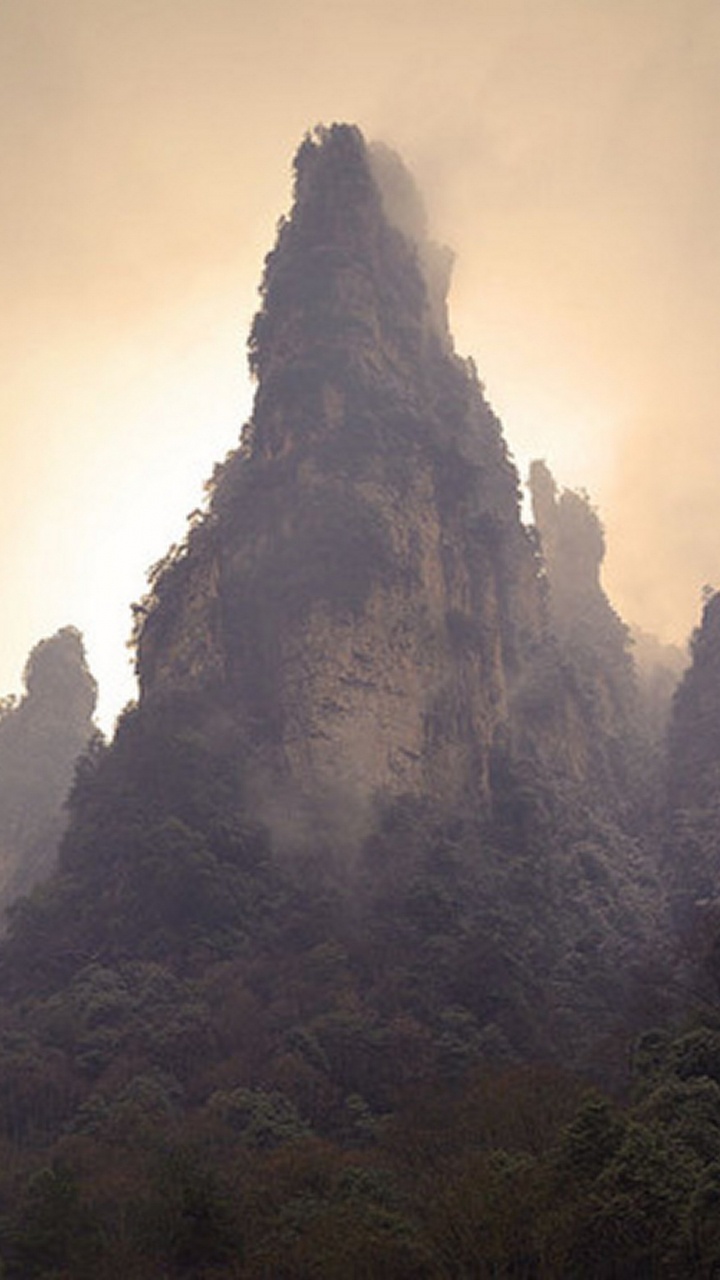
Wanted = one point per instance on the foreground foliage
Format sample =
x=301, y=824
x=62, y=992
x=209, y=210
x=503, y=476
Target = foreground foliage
x=523, y=1172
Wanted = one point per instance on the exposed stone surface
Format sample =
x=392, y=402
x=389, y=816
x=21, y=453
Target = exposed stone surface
x=363, y=590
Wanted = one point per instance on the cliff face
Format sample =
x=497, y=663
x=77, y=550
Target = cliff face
x=40, y=740
x=363, y=593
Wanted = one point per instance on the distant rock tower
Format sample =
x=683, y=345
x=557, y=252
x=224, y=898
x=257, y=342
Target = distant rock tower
x=40, y=740
x=592, y=637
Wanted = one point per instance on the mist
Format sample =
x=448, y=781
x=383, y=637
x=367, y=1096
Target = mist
x=568, y=155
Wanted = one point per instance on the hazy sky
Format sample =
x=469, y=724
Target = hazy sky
x=569, y=152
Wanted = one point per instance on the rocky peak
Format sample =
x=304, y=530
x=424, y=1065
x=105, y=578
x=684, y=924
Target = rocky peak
x=40, y=739
x=591, y=633
x=363, y=579
x=363, y=593
x=573, y=543
x=347, y=309
x=57, y=678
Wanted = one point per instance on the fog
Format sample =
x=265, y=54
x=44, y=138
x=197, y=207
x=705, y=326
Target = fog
x=567, y=152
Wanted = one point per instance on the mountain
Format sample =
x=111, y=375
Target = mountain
x=354, y=693
x=367, y=850
x=41, y=737
x=363, y=594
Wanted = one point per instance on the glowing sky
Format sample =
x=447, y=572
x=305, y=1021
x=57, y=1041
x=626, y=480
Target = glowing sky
x=569, y=151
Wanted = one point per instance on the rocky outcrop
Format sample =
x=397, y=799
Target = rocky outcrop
x=363, y=592
x=594, y=641
x=40, y=739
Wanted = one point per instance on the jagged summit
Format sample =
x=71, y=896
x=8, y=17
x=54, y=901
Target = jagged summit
x=56, y=675
x=363, y=591
x=352, y=304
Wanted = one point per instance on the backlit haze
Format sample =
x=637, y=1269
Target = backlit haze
x=568, y=151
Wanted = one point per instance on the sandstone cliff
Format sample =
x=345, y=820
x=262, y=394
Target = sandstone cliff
x=363, y=592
